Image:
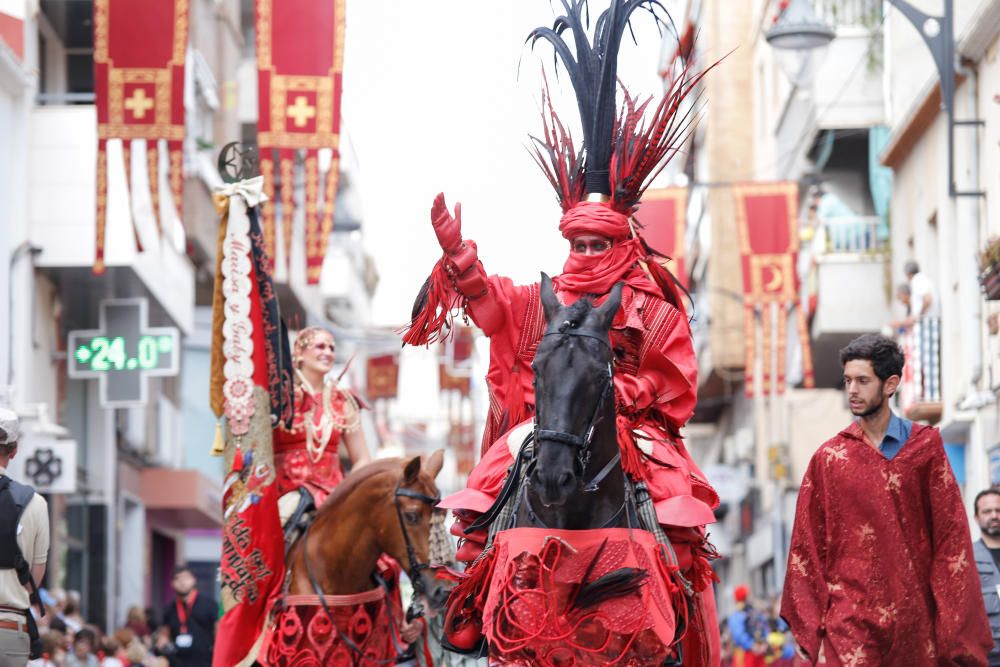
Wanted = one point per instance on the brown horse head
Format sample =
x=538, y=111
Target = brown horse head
x=415, y=496
x=366, y=516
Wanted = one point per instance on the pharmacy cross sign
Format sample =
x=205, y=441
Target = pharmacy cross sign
x=123, y=352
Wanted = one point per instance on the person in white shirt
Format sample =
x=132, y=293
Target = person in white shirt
x=923, y=301
x=31, y=534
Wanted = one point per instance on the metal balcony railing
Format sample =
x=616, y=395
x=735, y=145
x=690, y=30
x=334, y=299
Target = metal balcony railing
x=841, y=13
x=921, y=383
x=854, y=234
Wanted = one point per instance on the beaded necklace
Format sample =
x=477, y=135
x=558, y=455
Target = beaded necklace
x=318, y=435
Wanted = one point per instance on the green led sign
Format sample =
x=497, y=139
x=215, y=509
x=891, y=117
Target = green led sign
x=104, y=354
x=123, y=352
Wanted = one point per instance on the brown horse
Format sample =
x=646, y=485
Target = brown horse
x=338, y=608
x=383, y=507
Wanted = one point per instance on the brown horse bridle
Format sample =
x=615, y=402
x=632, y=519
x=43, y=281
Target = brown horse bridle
x=413, y=571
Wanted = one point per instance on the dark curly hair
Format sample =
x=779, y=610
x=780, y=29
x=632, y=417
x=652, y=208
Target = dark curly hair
x=884, y=353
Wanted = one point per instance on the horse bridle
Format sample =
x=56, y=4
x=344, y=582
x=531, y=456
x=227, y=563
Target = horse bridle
x=582, y=441
x=416, y=567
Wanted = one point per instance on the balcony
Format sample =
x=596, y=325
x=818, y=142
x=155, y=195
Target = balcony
x=849, y=13
x=920, y=390
x=848, y=264
x=837, y=87
x=62, y=215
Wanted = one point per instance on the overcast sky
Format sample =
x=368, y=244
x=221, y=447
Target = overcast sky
x=433, y=103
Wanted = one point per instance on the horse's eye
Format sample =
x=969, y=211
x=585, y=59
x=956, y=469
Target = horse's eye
x=412, y=518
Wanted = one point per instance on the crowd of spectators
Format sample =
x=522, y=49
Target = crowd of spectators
x=68, y=640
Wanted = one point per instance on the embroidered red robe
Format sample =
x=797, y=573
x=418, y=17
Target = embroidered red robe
x=881, y=570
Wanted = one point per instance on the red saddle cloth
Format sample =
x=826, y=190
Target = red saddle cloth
x=531, y=615
x=359, y=636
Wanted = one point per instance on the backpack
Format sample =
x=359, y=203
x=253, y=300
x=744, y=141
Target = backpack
x=14, y=498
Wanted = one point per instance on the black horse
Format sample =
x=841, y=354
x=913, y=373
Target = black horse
x=575, y=478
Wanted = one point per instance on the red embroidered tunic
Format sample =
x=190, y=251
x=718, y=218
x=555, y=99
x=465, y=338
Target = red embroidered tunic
x=296, y=467
x=881, y=570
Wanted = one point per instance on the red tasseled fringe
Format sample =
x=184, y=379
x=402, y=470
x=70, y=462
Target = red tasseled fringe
x=466, y=600
x=434, y=321
x=702, y=574
x=477, y=581
x=631, y=456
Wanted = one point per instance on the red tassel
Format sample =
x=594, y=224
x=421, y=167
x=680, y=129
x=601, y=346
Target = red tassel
x=434, y=320
x=238, y=459
x=463, y=617
x=631, y=456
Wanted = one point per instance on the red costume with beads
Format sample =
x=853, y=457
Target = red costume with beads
x=318, y=470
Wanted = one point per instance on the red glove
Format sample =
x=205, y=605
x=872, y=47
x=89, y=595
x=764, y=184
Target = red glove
x=447, y=228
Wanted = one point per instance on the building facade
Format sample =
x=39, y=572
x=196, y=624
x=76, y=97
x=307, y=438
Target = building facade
x=857, y=125
x=136, y=491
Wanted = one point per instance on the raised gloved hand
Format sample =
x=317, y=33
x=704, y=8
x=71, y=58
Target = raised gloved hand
x=447, y=228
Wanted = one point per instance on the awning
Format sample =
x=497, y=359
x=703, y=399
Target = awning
x=181, y=498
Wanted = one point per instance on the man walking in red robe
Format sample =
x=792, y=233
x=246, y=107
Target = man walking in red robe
x=881, y=570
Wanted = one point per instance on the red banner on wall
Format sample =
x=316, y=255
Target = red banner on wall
x=300, y=59
x=139, y=50
x=767, y=223
x=383, y=376
x=449, y=382
x=662, y=217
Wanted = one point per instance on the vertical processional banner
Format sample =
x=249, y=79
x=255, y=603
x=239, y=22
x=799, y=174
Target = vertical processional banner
x=139, y=51
x=767, y=224
x=300, y=61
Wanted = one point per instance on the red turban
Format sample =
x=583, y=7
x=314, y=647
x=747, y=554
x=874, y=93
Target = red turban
x=591, y=217
x=740, y=593
x=597, y=274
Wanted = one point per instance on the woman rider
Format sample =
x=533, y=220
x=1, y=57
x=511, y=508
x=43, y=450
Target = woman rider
x=307, y=456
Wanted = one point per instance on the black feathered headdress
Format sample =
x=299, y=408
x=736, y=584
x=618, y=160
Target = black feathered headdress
x=622, y=149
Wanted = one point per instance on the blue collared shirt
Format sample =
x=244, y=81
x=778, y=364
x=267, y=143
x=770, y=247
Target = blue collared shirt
x=896, y=436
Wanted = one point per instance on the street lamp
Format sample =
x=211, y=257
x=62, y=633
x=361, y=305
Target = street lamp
x=800, y=38
x=937, y=33
x=799, y=28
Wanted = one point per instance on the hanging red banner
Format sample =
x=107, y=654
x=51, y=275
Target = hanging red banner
x=662, y=217
x=462, y=441
x=383, y=376
x=463, y=342
x=139, y=50
x=767, y=223
x=449, y=382
x=300, y=59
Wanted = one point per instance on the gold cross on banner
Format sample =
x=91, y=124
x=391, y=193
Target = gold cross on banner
x=139, y=104
x=301, y=111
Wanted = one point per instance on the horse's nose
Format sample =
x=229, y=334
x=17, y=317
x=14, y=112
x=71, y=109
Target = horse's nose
x=437, y=594
x=554, y=487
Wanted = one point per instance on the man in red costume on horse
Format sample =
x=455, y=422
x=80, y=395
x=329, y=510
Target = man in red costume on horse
x=655, y=374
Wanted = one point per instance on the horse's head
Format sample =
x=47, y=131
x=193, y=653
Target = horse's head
x=572, y=387
x=414, y=498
